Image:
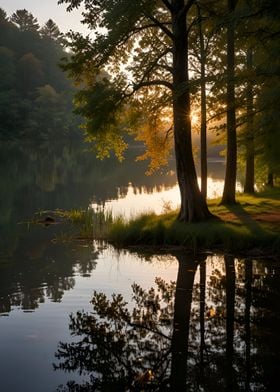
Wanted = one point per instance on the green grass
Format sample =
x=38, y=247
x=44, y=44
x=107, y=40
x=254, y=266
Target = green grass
x=248, y=225
x=90, y=223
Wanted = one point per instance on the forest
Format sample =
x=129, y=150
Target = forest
x=153, y=68
x=35, y=95
x=211, y=69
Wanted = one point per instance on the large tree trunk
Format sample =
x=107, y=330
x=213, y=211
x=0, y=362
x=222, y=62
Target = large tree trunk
x=231, y=163
x=193, y=205
x=270, y=179
x=250, y=149
x=203, y=109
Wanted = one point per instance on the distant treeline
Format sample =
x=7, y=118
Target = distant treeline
x=35, y=95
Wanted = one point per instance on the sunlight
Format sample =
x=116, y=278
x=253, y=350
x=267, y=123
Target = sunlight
x=138, y=200
x=194, y=119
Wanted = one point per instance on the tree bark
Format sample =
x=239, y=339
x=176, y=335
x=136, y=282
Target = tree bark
x=231, y=162
x=193, y=204
x=270, y=179
x=250, y=149
x=203, y=109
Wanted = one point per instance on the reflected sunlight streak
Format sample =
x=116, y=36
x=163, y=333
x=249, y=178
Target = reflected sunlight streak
x=138, y=200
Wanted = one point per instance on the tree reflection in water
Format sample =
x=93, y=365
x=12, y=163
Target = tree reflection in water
x=203, y=334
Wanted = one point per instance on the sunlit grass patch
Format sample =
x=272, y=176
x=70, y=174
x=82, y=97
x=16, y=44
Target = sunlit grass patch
x=238, y=228
x=251, y=223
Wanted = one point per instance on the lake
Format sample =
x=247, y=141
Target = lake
x=225, y=310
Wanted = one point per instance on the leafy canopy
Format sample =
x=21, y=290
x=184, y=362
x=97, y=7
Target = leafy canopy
x=124, y=74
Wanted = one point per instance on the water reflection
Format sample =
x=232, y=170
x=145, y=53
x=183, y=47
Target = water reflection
x=215, y=329
x=134, y=200
x=47, y=176
x=41, y=269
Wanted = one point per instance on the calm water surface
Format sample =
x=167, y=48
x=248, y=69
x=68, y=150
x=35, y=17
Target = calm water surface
x=226, y=310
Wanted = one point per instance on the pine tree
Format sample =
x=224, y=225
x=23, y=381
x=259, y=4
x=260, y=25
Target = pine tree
x=25, y=21
x=51, y=31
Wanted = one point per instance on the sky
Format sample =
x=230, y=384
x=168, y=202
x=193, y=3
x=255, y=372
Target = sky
x=47, y=9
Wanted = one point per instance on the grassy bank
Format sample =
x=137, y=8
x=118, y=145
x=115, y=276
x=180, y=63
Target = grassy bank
x=252, y=225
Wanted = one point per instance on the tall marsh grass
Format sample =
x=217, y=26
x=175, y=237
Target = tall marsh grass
x=91, y=223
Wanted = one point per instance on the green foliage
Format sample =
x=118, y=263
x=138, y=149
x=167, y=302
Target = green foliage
x=51, y=31
x=132, y=98
x=104, y=98
x=24, y=20
x=32, y=86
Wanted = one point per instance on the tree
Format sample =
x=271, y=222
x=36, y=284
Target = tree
x=149, y=41
x=30, y=71
x=203, y=121
x=201, y=37
x=267, y=102
x=51, y=31
x=24, y=20
x=258, y=81
x=32, y=86
x=231, y=162
x=49, y=113
x=3, y=16
x=250, y=149
x=7, y=68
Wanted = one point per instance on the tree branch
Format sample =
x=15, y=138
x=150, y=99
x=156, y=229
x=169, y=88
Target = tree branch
x=167, y=4
x=156, y=82
x=188, y=6
x=160, y=25
x=141, y=28
x=150, y=68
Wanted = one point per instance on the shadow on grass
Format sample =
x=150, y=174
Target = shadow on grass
x=271, y=193
x=245, y=219
x=236, y=229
